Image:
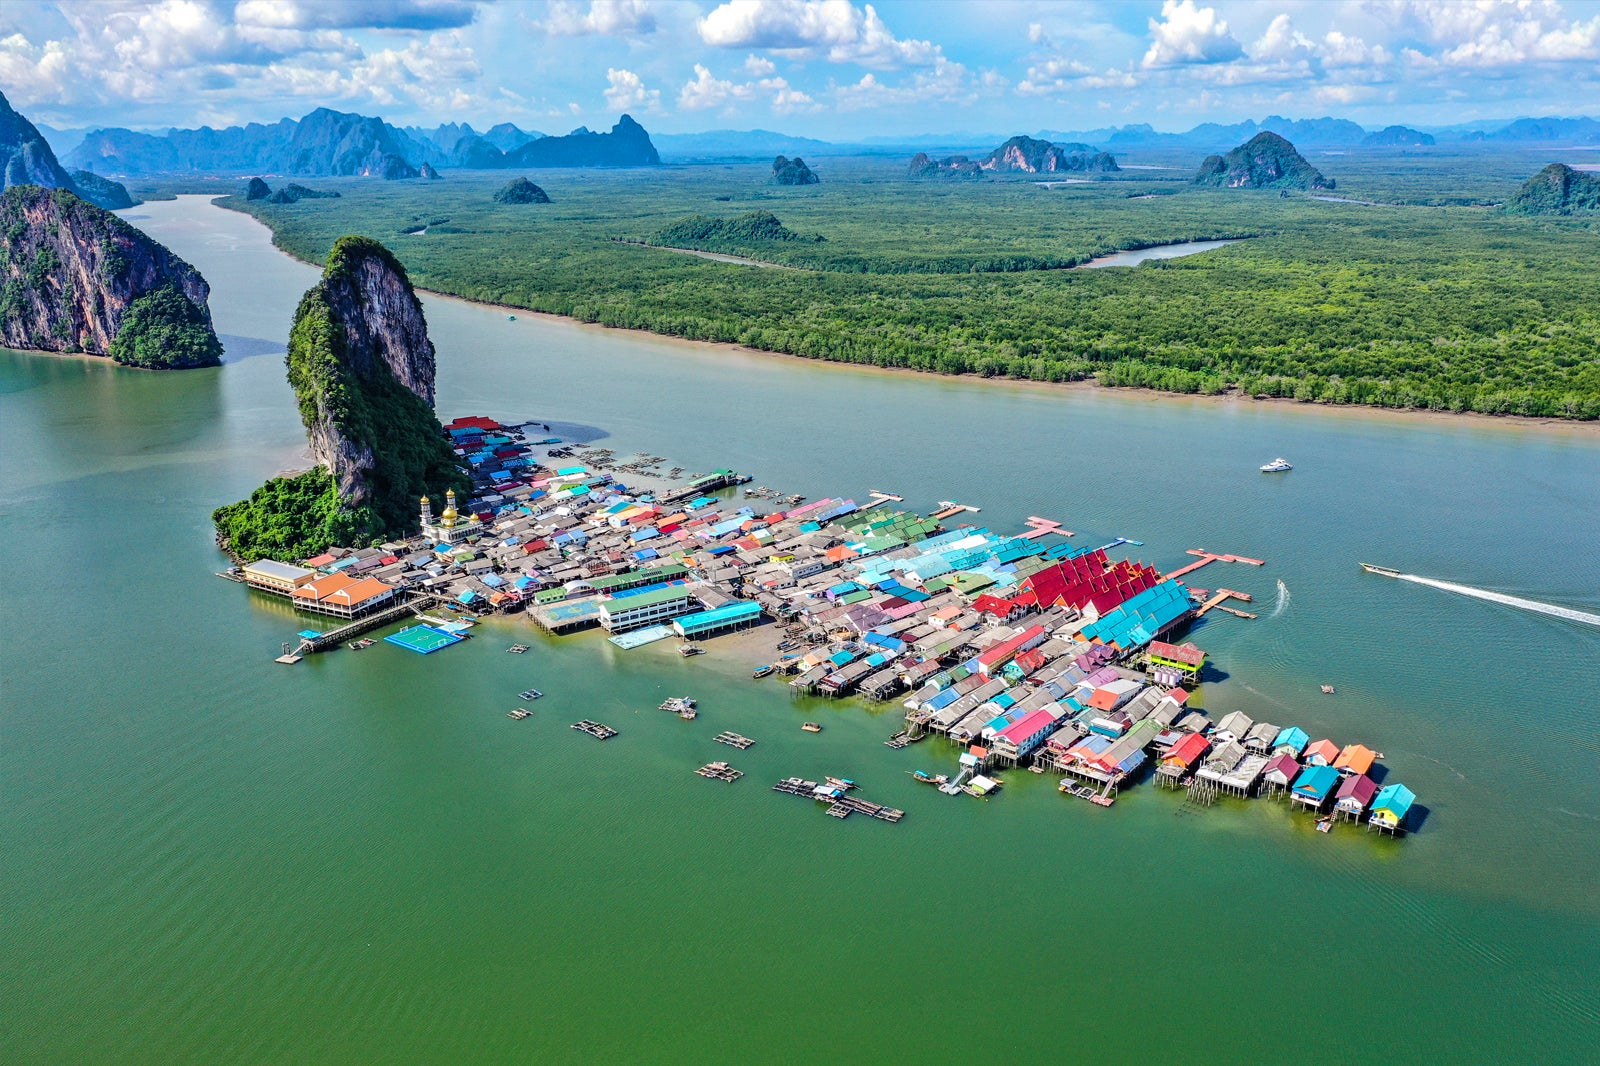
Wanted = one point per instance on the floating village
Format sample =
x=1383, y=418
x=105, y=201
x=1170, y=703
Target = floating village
x=1025, y=651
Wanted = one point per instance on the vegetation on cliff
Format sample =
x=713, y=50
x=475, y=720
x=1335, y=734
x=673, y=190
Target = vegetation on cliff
x=293, y=193
x=379, y=442
x=1030, y=155
x=256, y=189
x=1557, y=190
x=794, y=171
x=163, y=329
x=1265, y=161
x=103, y=192
x=757, y=227
x=951, y=166
x=521, y=191
x=76, y=278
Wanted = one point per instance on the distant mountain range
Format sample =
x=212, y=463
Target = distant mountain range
x=26, y=159
x=329, y=143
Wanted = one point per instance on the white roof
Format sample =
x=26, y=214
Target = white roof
x=280, y=571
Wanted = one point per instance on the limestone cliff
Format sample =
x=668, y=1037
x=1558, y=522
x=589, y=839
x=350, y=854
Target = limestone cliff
x=362, y=368
x=1029, y=155
x=1265, y=161
x=76, y=278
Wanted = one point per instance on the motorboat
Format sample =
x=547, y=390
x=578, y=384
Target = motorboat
x=1382, y=571
x=1277, y=466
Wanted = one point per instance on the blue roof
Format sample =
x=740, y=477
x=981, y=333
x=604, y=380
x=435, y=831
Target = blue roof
x=1396, y=799
x=1294, y=737
x=1316, y=781
x=728, y=613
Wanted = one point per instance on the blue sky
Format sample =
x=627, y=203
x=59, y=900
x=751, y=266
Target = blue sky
x=828, y=68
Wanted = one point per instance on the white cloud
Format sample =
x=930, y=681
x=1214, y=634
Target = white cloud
x=945, y=82
x=836, y=29
x=759, y=66
x=606, y=18
x=1281, y=42
x=627, y=92
x=1500, y=33
x=1186, y=34
x=706, y=91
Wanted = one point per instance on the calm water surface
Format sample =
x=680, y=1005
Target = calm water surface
x=209, y=857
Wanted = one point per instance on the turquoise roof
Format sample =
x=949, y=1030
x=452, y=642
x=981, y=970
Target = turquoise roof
x=1316, y=781
x=1293, y=736
x=1396, y=799
x=1137, y=621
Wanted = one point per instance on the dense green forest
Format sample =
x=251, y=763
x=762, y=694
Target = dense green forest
x=1417, y=300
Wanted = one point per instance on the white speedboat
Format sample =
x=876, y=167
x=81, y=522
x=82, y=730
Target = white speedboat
x=1277, y=466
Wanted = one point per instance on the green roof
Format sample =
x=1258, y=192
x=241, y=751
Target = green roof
x=647, y=599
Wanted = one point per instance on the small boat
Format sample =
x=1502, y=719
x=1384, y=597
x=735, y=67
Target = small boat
x=366, y=642
x=1382, y=571
x=1277, y=466
x=511, y=318
x=929, y=779
x=690, y=649
x=1324, y=825
x=1327, y=690
x=761, y=671
x=529, y=694
x=811, y=727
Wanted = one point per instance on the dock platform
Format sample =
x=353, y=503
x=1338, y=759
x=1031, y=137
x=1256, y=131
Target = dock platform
x=720, y=771
x=594, y=729
x=733, y=740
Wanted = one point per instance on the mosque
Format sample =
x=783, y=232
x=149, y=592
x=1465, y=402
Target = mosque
x=451, y=527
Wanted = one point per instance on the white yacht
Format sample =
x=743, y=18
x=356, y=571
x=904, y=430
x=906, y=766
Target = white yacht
x=1277, y=466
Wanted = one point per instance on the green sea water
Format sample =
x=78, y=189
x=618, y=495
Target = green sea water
x=208, y=857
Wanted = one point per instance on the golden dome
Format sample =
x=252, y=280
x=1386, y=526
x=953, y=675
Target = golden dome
x=426, y=500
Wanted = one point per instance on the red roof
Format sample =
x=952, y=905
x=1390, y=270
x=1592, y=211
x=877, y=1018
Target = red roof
x=1188, y=749
x=1187, y=654
x=1028, y=726
x=475, y=422
x=995, y=605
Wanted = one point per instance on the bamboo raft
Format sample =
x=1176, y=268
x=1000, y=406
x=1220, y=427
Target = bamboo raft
x=733, y=740
x=720, y=771
x=594, y=729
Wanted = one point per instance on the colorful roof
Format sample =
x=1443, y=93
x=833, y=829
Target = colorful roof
x=1316, y=781
x=1187, y=654
x=1321, y=752
x=1187, y=750
x=1292, y=736
x=1355, y=759
x=1358, y=790
x=1395, y=800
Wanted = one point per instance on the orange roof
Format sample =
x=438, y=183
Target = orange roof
x=1357, y=758
x=839, y=553
x=1103, y=700
x=323, y=587
x=358, y=592
x=980, y=752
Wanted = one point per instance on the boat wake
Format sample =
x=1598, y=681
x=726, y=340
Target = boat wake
x=1553, y=610
x=1283, y=601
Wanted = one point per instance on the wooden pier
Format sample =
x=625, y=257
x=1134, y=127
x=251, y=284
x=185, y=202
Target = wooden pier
x=720, y=771
x=594, y=729
x=733, y=740
x=1225, y=594
x=1211, y=557
x=410, y=605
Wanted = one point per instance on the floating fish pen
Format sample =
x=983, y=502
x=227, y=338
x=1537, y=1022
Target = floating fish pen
x=811, y=727
x=517, y=649
x=519, y=713
x=733, y=740
x=594, y=729
x=834, y=793
x=720, y=771
x=530, y=694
